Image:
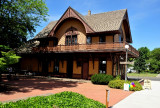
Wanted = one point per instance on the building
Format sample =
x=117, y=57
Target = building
x=78, y=46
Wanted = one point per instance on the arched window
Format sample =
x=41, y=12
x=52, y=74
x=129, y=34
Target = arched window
x=71, y=36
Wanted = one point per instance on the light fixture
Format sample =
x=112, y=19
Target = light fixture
x=126, y=46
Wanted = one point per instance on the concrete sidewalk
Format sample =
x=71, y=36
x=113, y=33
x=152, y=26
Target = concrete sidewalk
x=142, y=99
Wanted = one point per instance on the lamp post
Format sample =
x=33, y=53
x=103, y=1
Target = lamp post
x=126, y=47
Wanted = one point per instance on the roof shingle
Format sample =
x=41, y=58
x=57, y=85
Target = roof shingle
x=107, y=21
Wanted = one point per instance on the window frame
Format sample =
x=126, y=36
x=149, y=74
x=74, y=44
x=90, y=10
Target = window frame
x=73, y=34
x=71, y=41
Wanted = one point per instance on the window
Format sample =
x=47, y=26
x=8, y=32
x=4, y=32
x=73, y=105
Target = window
x=120, y=38
x=68, y=40
x=89, y=41
x=102, y=39
x=102, y=66
x=71, y=36
x=71, y=40
x=74, y=39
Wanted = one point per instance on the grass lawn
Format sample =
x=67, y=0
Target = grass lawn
x=142, y=74
x=60, y=100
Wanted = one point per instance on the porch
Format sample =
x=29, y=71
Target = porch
x=97, y=47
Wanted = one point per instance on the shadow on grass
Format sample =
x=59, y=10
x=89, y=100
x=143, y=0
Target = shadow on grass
x=28, y=84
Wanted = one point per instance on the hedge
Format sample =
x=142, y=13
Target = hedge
x=119, y=84
x=101, y=78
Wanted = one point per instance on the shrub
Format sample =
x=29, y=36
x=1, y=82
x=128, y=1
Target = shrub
x=118, y=77
x=138, y=86
x=101, y=78
x=60, y=100
x=116, y=84
x=119, y=84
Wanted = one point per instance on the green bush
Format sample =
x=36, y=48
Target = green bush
x=60, y=100
x=101, y=78
x=118, y=77
x=116, y=84
x=119, y=84
x=138, y=86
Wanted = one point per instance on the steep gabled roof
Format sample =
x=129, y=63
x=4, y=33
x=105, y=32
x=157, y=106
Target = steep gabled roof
x=71, y=13
x=108, y=21
x=44, y=33
x=102, y=22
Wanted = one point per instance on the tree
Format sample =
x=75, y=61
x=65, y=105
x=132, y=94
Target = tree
x=7, y=57
x=155, y=60
x=18, y=19
x=141, y=62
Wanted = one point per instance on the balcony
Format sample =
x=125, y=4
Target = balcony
x=99, y=47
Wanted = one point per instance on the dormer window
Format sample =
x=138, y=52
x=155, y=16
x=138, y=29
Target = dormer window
x=71, y=36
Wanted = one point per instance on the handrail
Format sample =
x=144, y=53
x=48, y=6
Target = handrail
x=87, y=47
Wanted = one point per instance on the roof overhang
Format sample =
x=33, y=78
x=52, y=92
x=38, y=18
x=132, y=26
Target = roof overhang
x=70, y=13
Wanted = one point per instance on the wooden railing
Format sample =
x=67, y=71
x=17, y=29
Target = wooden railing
x=87, y=48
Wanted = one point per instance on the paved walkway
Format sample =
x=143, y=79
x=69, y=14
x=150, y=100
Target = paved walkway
x=34, y=86
x=142, y=99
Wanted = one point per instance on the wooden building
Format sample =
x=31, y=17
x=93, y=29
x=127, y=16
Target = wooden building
x=78, y=46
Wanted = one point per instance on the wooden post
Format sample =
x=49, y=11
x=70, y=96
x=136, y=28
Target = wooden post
x=107, y=97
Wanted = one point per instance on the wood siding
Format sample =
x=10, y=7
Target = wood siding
x=124, y=34
x=95, y=39
x=29, y=64
x=63, y=66
x=51, y=43
x=76, y=69
x=51, y=66
x=109, y=39
x=94, y=70
x=109, y=67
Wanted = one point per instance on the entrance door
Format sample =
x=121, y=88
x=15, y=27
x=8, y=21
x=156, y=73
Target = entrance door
x=69, y=68
x=56, y=66
x=44, y=66
x=85, y=70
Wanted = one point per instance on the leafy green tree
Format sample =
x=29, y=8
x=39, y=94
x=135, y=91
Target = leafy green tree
x=7, y=57
x=155, y=60
x=18, y=19
x=141, y=62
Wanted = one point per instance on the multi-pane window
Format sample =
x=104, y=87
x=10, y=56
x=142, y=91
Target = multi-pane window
x=89, y=41
x=71, y=40
x=102, y=39
x=71, y=36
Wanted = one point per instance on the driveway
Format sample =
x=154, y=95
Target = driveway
x=24, y=88
x=142, y=99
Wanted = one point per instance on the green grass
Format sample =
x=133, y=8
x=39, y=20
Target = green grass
x=142, y=74
x=60, y=100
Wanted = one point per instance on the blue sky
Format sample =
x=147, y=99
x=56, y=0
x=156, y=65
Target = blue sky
x=144, y=16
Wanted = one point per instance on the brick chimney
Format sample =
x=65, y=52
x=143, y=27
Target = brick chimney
x=89, y=13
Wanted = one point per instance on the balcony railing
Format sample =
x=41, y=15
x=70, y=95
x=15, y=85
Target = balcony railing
x=88, y=48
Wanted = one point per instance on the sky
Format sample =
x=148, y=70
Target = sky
x=144, y=16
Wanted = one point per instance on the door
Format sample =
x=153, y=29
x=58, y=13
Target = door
x=56, y=66
x=85, y=70
x=44, y=66
x=69, y=68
